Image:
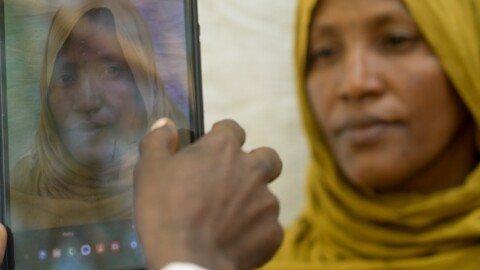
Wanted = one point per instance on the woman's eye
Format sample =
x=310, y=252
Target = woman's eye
x=322, y=56
x=323, y=53
x=399, y=42
x=112, y=71
x=65, y=79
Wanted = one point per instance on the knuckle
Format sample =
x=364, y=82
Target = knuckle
x=277, y=235
x=273, y=203
x=266, y=162
x=232, y=128
x=268, y=204
x=261, y=166
x=228, y=122
x=227, y=141
x=272, y=242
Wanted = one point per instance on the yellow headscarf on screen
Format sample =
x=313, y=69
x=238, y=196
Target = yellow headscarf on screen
x=342, y=228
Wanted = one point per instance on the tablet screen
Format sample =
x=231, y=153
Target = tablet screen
x=82, y=81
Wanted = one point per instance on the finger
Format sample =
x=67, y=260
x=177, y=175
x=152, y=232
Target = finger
x=230, y=128
x=3, y=241
x=270, y=160
x=265, y=233
x=161, y=140
x=272, y=239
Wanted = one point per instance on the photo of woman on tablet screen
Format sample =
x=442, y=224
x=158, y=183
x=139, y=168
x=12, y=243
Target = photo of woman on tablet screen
x=99, y=92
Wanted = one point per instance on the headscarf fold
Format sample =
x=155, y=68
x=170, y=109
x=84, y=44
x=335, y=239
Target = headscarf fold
x=346, y=228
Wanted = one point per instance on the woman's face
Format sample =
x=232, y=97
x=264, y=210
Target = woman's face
x=380, y=96
x=93, y=97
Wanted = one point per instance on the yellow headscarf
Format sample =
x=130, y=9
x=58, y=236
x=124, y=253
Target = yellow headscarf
x=342, y=228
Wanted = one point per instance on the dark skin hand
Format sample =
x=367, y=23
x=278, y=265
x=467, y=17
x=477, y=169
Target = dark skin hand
x=3, y=241
x=209, y=203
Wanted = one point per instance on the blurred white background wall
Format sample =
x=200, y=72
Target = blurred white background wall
x=247, y=60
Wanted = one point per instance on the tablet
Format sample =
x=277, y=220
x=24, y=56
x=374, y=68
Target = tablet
x=81, y=82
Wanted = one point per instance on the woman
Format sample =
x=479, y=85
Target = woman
x=100, y=90
x=389, y=92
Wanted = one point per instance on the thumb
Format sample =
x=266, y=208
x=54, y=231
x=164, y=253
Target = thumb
x=161, y=140
x=156, y=148
x=3, y=242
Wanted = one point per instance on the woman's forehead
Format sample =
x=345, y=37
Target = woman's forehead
x=89, y=38
x=352, y=12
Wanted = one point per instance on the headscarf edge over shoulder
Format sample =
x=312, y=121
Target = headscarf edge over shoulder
x=341, y=229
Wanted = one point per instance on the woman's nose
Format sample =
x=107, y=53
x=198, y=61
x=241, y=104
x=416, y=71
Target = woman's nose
x=87, y=96
x=360, y=79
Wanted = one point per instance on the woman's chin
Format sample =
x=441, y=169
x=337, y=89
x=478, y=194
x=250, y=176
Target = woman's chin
x=97, y=159
x=374, y=179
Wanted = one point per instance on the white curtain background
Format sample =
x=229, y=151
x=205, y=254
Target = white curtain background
x=247, y=60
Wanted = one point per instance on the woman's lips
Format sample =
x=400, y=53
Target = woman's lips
x=87, y=129
x=89, y=126
x=363, y=131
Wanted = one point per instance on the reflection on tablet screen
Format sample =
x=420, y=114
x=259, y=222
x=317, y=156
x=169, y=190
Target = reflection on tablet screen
x=99, y=88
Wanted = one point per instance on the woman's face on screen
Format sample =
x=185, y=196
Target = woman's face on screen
x=380, y=95
x=93, y=97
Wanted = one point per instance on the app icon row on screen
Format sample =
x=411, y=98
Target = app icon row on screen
x=84, y=250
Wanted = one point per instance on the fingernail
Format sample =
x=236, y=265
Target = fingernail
x=159, y=123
